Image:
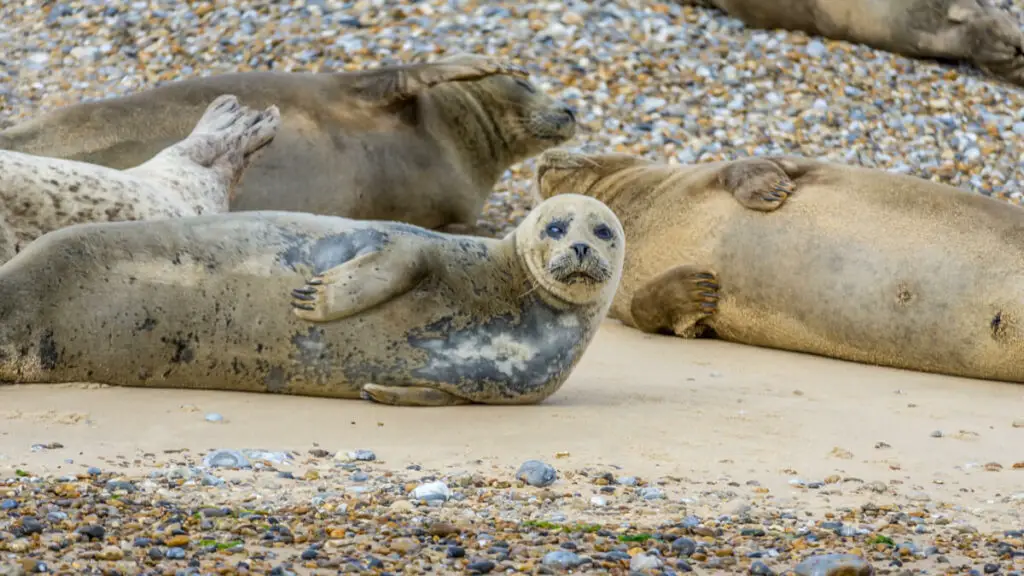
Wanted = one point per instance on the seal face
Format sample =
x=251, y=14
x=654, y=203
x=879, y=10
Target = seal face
x=572, y=247
x=309, y=304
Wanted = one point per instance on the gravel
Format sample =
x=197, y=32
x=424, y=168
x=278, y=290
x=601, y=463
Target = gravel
x=158, y=516
x=674, y=83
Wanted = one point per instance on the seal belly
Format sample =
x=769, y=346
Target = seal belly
x=909, y=277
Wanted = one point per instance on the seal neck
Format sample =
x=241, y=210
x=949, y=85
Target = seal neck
x=457, y=112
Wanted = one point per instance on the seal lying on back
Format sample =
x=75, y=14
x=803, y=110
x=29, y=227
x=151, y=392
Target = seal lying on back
x=417, y=143
x=195, y=176
x=314, y=305
x=802, y=255
x=968, y=30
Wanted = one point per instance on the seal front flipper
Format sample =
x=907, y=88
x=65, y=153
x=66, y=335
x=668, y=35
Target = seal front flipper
x=676, y=301
x=758, y=183
x=395, y=84
x=409, y=396
x=359, y=284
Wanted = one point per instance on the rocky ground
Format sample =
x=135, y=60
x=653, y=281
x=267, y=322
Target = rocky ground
x=654, y=78
x=323, y=512
x=647, y=77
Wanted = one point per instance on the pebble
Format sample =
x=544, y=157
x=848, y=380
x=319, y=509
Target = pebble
x=362, y=455
x=834, y=565
x=226, y=459
x=562, y=559
x=536, y=473
x=432, y=491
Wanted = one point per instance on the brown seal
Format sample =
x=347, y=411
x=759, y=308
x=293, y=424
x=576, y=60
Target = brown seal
x=835, y=260
x=958, y=30
x=195, y=176
x=315, y=305
x=417, y=143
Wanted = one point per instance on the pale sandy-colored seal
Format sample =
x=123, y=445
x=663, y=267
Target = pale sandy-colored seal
x=195, y=176
x=959, y=30
x=793, y=253
x=423, y=144
x=314, y=305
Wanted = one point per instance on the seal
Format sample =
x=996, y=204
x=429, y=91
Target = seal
x=829, y=259
x=974, y=31
x=423, y=143
x=314, y=305
x=194, y=176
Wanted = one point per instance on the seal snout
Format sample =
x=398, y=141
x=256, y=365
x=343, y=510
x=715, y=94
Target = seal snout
x=581, y=250
x=579, y=264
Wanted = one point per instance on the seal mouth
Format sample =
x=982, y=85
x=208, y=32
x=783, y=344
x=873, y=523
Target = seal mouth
x=570, y=270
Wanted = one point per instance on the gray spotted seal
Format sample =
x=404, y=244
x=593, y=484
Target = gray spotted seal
x=958, y=30
x=314, y=305
x=194, y=176
x=802, y=255
x=422, y=143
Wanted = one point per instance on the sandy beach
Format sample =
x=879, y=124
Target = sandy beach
x=716, y=428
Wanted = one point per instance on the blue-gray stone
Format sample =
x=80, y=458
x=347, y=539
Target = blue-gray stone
x=536, y=473
x=226, y=459
x=834, y=565
x=562, y=559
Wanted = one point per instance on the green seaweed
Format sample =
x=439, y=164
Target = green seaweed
x=568, y=528
x=634, y=537
x=881, y=539
x=220, y=545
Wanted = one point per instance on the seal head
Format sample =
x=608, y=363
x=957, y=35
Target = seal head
x=573, y=247
x=515, y=115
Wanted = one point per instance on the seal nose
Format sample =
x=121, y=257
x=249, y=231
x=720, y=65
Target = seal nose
x=570, y=112
x=581, y=250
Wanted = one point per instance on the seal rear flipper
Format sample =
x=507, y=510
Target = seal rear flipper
x=676, y=301
x=758, y=183
x=359, y=284
x=409, y=396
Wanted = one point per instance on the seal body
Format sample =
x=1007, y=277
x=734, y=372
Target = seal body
x=303, y=304
x=968, y=30
x=194, y=176
x=835, y=260
x=417, y=143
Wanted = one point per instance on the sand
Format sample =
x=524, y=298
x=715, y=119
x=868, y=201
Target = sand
x=656, y=406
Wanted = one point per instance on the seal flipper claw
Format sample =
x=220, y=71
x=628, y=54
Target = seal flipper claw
x=359, y=284
x=409, y=396
x=757, y=183
x=676, y=301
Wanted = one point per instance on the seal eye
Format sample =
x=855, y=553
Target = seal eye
x=526, y=85
x=555, y=230
x=603, y=232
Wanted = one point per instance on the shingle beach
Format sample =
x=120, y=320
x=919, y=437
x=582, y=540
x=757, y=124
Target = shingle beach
x=673, y=83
